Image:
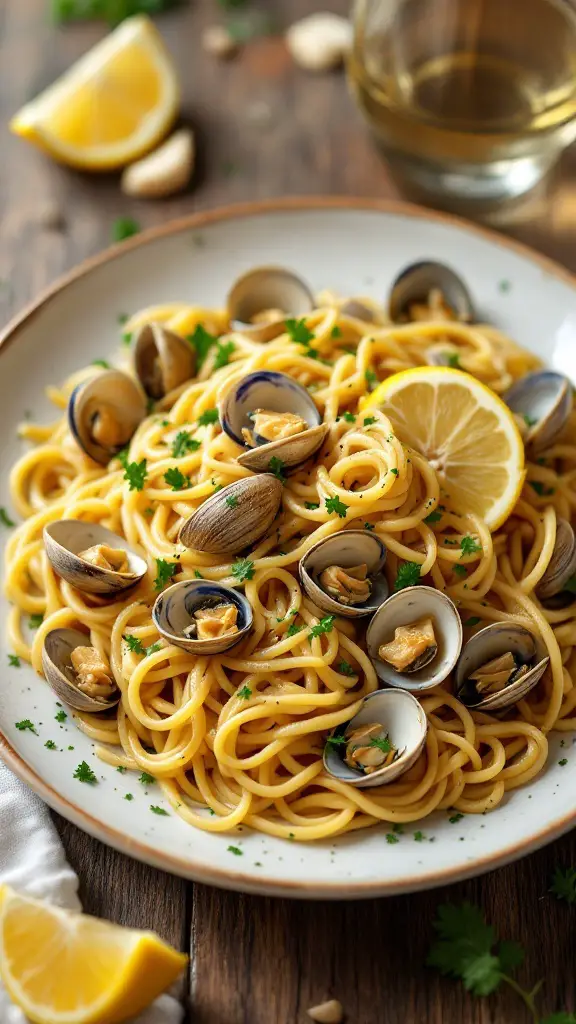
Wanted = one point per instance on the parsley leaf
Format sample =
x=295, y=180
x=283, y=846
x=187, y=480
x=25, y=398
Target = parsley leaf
x=345, y=668
x=276, y=466
x=146, y=779
x=349, y=417
x=202, y=341
x=472, y=621
x=5, y=518
x=101, y=362
x=243, y=569
x=465, y=949
x=61, y=716
x=50, y=745
x=135, y=645
x=84, y=773
x=383, y=744
x=391, y=838
x=563, y=762
x=223, y=352
x=369, y=420
x=337, y=506
x=460, y=570
x=207, y=417
x=235, y=850
x=232, y=501
x=453, y=360
x=418, y=836
x=26, y=725
x=408, y=575
x=158, y=810
x=299, y=332
x=324, y=626
x=336, y=332
x=164, y=572
x=176, y=479
x=293, y=629
x=564, y=884
x=122, y=769
x=469, y=546
x=135, y=473
x=245, y=693
x=455, y=818
x=184, y=443
x=14, y=661
x=35, y=620
x=124, y=227
x=433, y=517
x=369, y=526
x=337, y=740
x=311, y=505
x=371, y=379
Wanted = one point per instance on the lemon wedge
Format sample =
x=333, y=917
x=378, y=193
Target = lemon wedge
x=116, y=103
x=65, y=968
x=464, y=430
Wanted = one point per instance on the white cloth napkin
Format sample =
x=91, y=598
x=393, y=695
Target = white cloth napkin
x=32, y=860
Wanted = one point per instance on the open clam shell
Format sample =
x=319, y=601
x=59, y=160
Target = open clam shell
x=345, y=549
x=358, y=310
x=404, y=721
x=57, y=667
x=488, y=644
x=174, y=610
x=414, y=284
x=276, y=392
x=104, y=412
x=66, y=538
x=235, y=517
x=162, y=360
x=260, y=301
x=403, y=609
x=561, y=569
x=544, y=401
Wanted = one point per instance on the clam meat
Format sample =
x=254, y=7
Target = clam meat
x=93, y=674
x=272, y=426
x=368, y=748
x=105, y=557
x=344, y=573
x=347, y=586
x=77, y=672
x=260, y=301
x=429, y=290
x=212, y=622
x=104, y=412
x=499, y=666
x=414, y=646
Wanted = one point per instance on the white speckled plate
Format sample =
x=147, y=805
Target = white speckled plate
x=353, y=247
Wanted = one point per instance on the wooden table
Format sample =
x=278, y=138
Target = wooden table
x=266, y=129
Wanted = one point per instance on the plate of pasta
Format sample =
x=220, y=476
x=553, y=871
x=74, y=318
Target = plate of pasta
x=290, y=572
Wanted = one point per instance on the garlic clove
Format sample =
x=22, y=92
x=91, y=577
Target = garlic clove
x=320, y=41
x=218, y=41
x=163, y=172
x=330, y=1012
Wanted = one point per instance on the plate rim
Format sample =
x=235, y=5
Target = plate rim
x=188, y=868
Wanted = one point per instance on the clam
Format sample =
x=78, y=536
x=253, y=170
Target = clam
x=202, y=617
x=104, y=412
x=92, y=558
x=498, y=666
x=235, y=517
x=415, y=638
x=557, y=587
x=358, y=310
x=272, y=416
x=429, y=291
x=383, y=740
x=543, y=401
x=76, y=672
x=260, y=301
x=358, y=591
x=162, y=360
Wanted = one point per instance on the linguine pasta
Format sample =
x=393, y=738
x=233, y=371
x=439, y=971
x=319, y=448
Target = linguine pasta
x=237, y=738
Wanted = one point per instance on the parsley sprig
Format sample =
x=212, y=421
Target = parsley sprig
x=208, y=417
x=184, y=443
x=202, y=341
x=408, y=575
x=135, y=473
x=324, y=626
x=469, y=545
x=164, y=572
x=337, y=506
x=176, y=479
x=276, y=466
x=299, y=332
x=84, y=773
x=136, y=646
x=564, y=884
x=243, y=569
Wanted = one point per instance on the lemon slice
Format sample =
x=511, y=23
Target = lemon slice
x=64, y=968
x=115, y=103
x=465, y=431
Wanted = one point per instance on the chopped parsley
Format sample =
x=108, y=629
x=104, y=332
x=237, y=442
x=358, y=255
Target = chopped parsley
x=158, y=810
x=124, y=227
x=50, y=745
x=472, y=621
x=337, y=506
x=136, y=646
x=371, y=379
x=121, y=769
x=236, y=851
x=184, y=443
x=61, y=716
x=453, y=360
x=563, y=762
x=460, y=570
x=35, y=620
x=276, y=466
x=469, y=546
x=126, y=338
x=529, y=420
x=103, y=363
x=433, y=517
x=369, y=421
x=128, y=796
x=299, y=332
x=146, y=779
x=198, y=575
x=349, y=417
x=394, y=471
x=207, y=417
x=311, y=505
x=391, y=838
x=336, y=332
x=176, y=479
x=455, y=818
x=369, y=526
x=408, y=575
x=232, y=501
x=164, y=572
x=223, y=352
x=202, y=341
x=540, y=489
x=135, y=473
x=383, y=744
x=14, y=661
x=337, y=740
x=26, y=726
x=504, y=286
x=419, y=836
x=564, y=884
x=293, y=629
x=324, y=626
x=84, y=773
x=5, y=518
x=245, y=693
x=243, y=569
x=465, y=948
x=345, y=669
